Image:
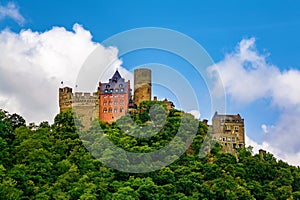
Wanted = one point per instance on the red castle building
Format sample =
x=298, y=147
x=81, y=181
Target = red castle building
x=114, y=98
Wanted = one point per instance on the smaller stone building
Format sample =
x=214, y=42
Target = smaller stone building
x=229, y=131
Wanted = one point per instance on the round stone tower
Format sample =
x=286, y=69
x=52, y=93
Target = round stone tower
x=142, y=85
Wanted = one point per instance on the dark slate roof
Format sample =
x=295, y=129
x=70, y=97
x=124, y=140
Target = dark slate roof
x=116, y=85
x=116, y=77
x=216, y=115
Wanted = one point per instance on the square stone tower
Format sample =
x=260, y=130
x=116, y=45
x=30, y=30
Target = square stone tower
x=142, y=85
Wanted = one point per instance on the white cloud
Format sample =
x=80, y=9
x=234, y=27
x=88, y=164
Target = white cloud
x=247, y=77
x=264, y=128
x=33, y=64
x=291, y=158
x=11, y=11
x=196, y=113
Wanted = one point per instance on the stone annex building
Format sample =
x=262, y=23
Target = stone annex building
x=113, y=99
x=229, y=131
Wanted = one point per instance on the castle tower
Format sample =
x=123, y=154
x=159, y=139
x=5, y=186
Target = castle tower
x=65, y=98
x=142, y=85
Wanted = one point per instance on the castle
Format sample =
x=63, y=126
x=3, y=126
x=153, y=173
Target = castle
x=113, y=100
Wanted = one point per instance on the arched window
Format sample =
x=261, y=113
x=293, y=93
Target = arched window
x=110, y=110
x=105, y=110
x=121, y=109
x=116, y=110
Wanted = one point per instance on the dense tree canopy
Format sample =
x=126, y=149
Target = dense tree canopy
x=51, y=162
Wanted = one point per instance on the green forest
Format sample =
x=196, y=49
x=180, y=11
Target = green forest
x=51, y=161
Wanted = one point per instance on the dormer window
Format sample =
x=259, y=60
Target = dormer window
x=106, y=90
x=111, y=90
x=107, y=86
x=121, y=85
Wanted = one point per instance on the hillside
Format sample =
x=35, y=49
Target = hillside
x=51, y=162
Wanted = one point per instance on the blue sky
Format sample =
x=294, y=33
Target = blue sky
x=272, y=29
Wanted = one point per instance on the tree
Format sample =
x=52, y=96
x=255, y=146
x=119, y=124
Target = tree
x=17, y=121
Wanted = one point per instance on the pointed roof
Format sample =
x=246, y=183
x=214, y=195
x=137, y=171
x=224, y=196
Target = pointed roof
x=116, y=76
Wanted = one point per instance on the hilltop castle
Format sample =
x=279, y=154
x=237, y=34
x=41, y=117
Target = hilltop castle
x=113, y=100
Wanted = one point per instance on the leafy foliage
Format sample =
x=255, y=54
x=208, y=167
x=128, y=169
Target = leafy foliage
x=51, y=162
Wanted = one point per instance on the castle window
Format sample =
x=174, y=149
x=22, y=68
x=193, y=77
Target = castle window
x=121, y=85
x=116, y=110
x=107, y=86
x=236, y=128
x=110, y=110
x=105, y=110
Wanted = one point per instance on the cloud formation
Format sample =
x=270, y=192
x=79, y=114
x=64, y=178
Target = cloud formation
x=196, y=113
x=11, y=11
x=247, y=77
x=32, y=66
